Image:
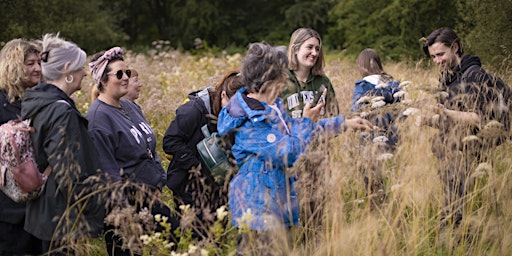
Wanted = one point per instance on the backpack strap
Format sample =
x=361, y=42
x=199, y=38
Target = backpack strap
x=205, y=131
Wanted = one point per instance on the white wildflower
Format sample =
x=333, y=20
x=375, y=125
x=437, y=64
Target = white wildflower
x=185, y=208
x=246, y=218
x=406, y=101
x=145, y=239
x=221, y=212
x=443, y=95
x=399, y=94
x=484, y=167
x=380, y=139
x=359, y=201
x=395, y=187
x=470, y=138
x=364, y=99
x=158, y=217
x=493, y=125
x=385, y=156
x=364, y=114
x=378, y=98
x=192, y=249
x=378, y=104
x=381, y=86
x=404, y=84
x=204, y=252
x=410, y=111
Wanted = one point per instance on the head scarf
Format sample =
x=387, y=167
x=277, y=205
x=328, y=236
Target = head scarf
x=98, y=66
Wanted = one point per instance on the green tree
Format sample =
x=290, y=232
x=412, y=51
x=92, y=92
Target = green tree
x=486, y=30
x=392, y=27
x=85, y=23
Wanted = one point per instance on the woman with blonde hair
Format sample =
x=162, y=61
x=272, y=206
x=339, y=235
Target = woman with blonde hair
x=307, y=79
x=20, y=69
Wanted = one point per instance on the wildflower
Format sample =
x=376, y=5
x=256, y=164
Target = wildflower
x=484, y=167
x=470, y=138
x=168, y=244
x=380, y=139
x=493, y=125
x=381, y=85
x=364, y=99
x=378, y=104
x=145, y=239
x=385, y=156
x=364, y=114
x=410, y=111
x=221, y=212
x=406, y=101
x=158, y=217
x=192, y=249
x=204, y=252
x=185, y=208
x=404, y=84
x=359, y=201
x=399, y=94
x=378, y=98
x=246, y=218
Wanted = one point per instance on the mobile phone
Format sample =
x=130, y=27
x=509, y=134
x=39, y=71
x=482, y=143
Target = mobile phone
x=319, y=97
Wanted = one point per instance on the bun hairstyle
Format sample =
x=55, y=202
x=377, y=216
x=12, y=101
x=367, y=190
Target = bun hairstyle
x=262, y=64
x=99, y=64
x=56, y=53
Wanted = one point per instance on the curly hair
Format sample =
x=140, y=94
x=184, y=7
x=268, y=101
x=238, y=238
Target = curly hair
x=12, y=66
x=263, y=64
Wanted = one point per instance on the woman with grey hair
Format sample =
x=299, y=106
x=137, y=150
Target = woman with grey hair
x=262, y=196
x=66, y=212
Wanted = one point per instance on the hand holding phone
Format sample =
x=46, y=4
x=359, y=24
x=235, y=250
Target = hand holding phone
x=319, y=97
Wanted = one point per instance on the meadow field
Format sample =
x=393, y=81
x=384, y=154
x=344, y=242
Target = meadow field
x=338, y=216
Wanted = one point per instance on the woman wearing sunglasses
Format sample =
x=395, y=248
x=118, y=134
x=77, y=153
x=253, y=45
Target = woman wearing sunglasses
x=126, y=145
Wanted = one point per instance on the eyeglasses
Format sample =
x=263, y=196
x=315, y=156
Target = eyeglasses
x=119, y=73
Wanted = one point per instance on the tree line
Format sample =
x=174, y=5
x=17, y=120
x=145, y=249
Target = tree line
x=393, y=27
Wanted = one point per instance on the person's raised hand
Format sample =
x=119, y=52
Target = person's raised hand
x=358, y=123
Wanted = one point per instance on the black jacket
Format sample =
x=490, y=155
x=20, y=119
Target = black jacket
x=471, y=89
x=61, y=140
x=180, y=141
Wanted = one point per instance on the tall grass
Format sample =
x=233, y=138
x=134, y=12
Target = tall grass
x=338, y=216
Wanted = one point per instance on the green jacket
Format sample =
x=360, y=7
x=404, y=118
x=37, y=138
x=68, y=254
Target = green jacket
x=297, y=94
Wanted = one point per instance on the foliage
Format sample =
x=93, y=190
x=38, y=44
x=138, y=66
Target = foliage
x=392, y=27
x=87, y=23
x=486, y=26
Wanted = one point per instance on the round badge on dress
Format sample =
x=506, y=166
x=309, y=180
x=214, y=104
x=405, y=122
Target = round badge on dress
x=271, y=138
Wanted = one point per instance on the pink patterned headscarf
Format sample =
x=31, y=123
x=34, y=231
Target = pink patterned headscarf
x=98, y=66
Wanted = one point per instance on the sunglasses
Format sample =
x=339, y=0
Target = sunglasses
x=119, y=73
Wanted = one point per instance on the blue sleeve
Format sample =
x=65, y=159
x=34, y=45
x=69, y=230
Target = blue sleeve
x=358, y=93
